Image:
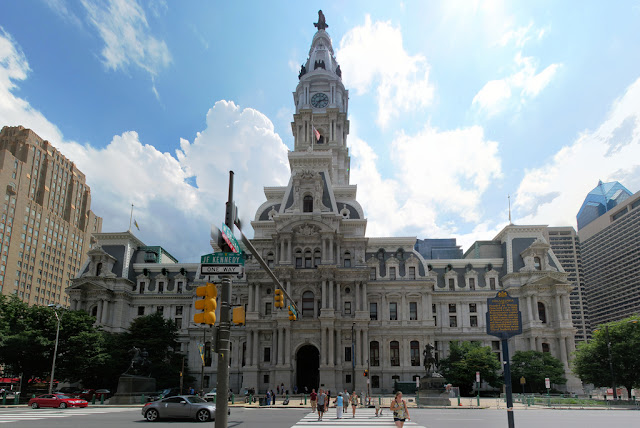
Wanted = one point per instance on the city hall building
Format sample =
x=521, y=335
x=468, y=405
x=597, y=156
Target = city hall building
x=366, y=303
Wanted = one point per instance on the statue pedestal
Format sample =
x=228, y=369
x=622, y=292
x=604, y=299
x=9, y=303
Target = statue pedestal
x=131, y=388
x=432, y=392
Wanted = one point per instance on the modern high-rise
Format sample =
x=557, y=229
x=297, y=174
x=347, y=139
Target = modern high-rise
x=566, y=246
x=46, y=223
x=610, y=246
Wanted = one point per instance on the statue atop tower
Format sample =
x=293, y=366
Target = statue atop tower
x=321, y=24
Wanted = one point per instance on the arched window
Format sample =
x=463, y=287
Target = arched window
x=542, y=312
x=94, y=311
x=307, y=259
x=394, y=347
x=347, y=259
x=307, y=304
x=98, y=269
x=374, y=353
x=142, y=284
x=415, y=353
x=298, y=259
x=536, y=263
x=545, y=347
x=317, y=258
x=307, y=204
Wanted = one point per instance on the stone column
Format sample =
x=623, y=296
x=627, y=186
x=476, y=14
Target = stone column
x=538, y=344
x=251, y=300
x=324, y=294
x=384, y=309
x=274, y=347
x=559, y=315
x=105, y=312
x=365, y=306
x=365, y=346
x=280, y=347
x=330, y=294
x=282, y=250
x=357, y=293
x=323, y=346
x=532, y=343
x=247, y=352
x=332, y=341
x=338, y=297
x=563, y=352
x=256, y=347
x=405, y=308
x=287, y=344
x=566, y=306
x=338, y=346
x=535, y=308
x=339, y=253
x=99, y=311
x=331, y=256
x=529, y=312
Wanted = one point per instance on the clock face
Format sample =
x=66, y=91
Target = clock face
x=319, y=100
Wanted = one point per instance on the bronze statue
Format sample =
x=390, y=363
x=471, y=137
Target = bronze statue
x=303, y=71
x=139, y=361
x=321, y=24
x=430, y=362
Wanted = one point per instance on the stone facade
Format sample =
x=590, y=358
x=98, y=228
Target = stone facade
x=365, y=303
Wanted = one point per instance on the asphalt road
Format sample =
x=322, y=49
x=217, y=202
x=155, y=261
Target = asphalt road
x=98, y=417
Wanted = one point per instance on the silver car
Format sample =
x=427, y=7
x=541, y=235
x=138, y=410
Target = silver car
x=180, y=407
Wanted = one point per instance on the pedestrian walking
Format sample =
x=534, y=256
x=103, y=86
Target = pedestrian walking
x=354, y=402
x=399, y=409
x=322, y=402
x=273, y=397
x=282, y=389
x=313, y=397
x=378, y=408
x=339, y=406
x=345, y=396
x=268, y=398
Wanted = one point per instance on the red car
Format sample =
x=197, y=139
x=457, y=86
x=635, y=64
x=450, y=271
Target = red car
x=56, y=400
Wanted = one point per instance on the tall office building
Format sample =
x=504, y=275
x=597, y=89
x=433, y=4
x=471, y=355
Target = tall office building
x=610, y=245
x=46, y=222
x=566, y=246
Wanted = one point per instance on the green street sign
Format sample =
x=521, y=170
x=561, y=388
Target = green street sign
x=231, y=240
x=222, y=259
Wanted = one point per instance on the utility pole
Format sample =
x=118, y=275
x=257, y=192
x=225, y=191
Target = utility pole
x=224, y=332
x=353, y=359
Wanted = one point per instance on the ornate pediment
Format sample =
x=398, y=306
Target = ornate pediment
x=306, y=230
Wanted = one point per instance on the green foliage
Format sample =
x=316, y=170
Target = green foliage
x=467, y=358
x=591, y=363
x=534, y=366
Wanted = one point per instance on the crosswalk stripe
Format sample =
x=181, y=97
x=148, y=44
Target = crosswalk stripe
x=38, y=414
x=364, y=418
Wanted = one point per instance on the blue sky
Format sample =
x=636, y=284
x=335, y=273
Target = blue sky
x=453, y=106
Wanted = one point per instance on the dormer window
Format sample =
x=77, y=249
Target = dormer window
x=536, y=263
x=161, y=287
x=142, y=285
x=179, y=287
x=98, y=269
x=307, y=204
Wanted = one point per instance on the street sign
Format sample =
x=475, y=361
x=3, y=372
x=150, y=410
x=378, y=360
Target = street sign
x=221, y=269
x=222, y=259
x=547, y=383
x=522, y=380
x=478, y=377
x=503, y=316
x=231, y=240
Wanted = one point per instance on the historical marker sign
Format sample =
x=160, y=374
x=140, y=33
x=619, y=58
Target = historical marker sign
x=503, y=316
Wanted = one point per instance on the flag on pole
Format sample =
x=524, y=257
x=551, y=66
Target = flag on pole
x=316, y=133
x=135, y=223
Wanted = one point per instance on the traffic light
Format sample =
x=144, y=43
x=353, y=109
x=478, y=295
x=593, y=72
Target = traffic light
x=207, y=304
x=366, y=373
x=292, y=314
x=278, y=298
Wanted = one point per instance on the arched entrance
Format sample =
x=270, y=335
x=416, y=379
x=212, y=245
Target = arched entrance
x=308, y=368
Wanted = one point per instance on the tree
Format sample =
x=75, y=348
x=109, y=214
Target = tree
x=467, y=358
x=535, y=366
x=591, y=363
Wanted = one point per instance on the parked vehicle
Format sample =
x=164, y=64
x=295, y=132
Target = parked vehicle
x=164, y=393
x=69, y=390
x=180, y=407
x=102, y=392
x=87, y=394
x=56, y=400
x=211, y=395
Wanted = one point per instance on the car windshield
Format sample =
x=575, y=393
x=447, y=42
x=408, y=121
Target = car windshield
x=195, y=399
x=62, y=396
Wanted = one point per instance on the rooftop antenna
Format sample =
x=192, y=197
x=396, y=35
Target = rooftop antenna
x=509, y=197
x=131, y=218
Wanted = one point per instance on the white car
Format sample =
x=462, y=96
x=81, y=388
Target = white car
x=211, y=395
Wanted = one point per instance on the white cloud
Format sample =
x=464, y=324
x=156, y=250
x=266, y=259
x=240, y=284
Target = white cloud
x=170, y=211
x=401, y=81
x=430, y=183
x=553, y=193
x=123, y=26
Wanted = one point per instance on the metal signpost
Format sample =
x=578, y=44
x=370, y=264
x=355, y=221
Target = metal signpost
x=504, y=320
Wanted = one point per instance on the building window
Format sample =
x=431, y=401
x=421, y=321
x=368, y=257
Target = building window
x=452, y=308
x=161, y=287
x=317, y=258
x=267, y=355
x=179, y=287
x=298, y=260
x=178, y=322
x=545, y=347
x=373, y=311
x=375, y=381
x=492, y=283
x=307, y=304
x=140, y=310
x=393, y=311
x=206, y=381
x=413, y=311
x=308, y=262
x=394, y=347
x=453, y=321
x=244, y=353
x=160, y=309
x=347, y=259
x=270, y=261
x=473, y=320
x=267, y=308
x=452, y=284
x=347, y=353
x=265, y=378
x=392, y=273
x=473, y=308
x=372, y=274
x=374, y=353
x=178, y=310
x=98, y=269
x=347, y=308
x=536, y=263
x=207, y=354
x=412, y=272
x=347, y=379
x=542, y=313
x=307, y=204
x=472, y=283
x=94, y=311
x=142, y=285
x=415, y=353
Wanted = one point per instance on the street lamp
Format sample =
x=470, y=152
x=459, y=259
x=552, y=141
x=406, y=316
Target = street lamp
x=353, y=359
x=55, y=350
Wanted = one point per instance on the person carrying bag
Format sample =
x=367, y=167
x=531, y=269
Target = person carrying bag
x=400, y=411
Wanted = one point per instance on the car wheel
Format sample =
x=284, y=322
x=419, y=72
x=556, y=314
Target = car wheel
x=203, y=415
x=34, y=405
x=151, y=415
x=63, y=405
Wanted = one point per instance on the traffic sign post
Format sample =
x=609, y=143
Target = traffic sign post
x=478, y=387
x=504, y=320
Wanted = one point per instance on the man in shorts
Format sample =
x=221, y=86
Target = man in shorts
x=313, y=397
x=322, y=402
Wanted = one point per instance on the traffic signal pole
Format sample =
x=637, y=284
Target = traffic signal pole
x=224, y=334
